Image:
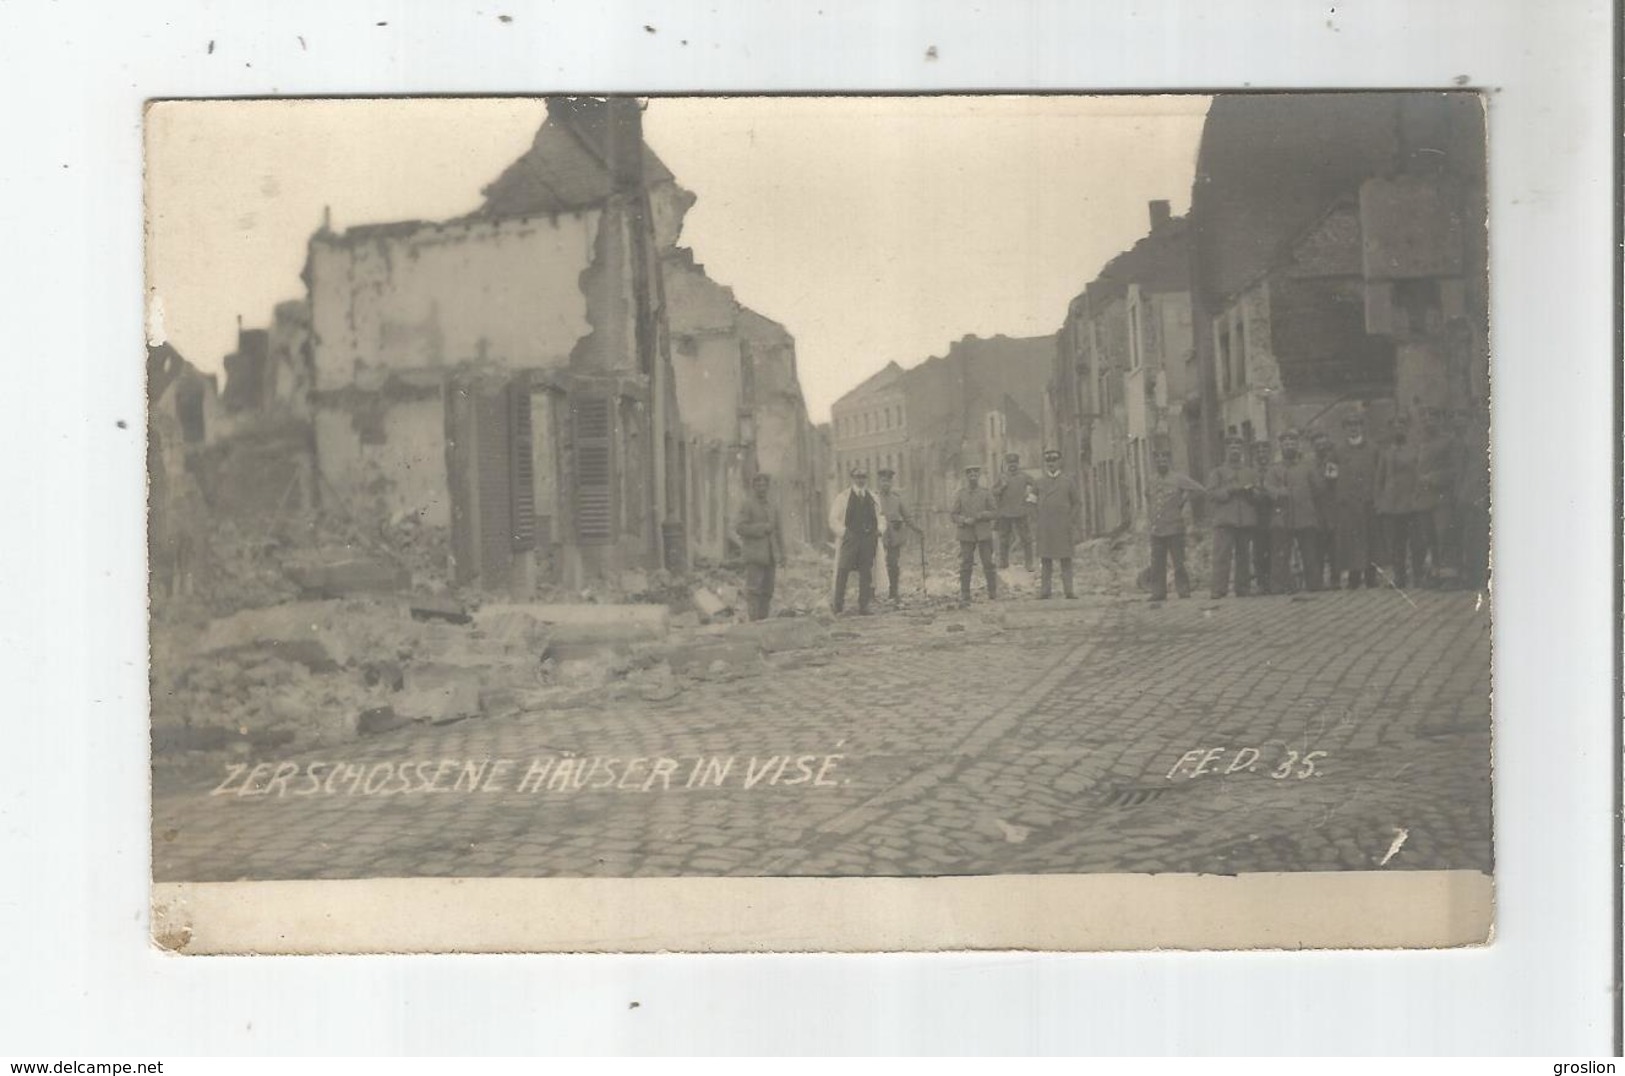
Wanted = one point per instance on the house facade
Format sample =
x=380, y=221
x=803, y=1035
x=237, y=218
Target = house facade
x=1340, y=260
x=1124, y=378
x=507, y=374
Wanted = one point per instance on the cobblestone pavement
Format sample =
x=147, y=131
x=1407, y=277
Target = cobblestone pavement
x=1320, y=732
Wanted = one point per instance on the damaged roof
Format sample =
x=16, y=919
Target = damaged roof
x=568, y=164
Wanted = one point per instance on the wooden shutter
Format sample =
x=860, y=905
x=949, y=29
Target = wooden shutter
x=594, y=487
x=521, y=468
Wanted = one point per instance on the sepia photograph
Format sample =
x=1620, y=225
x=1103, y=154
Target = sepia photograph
x=915, y=488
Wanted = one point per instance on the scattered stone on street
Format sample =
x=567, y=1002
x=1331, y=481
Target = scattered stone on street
x=1332, y=731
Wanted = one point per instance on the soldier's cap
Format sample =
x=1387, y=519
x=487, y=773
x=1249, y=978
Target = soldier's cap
x=886, y=472
x=1052, y=453
x=973, y=467
x=859, y=471
x=1292, y=434
x=1012, y=457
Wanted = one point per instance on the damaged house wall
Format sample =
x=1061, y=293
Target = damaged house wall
x=708, y=365
x=784, y=434
x=398, y=310
x=1340, y=250
x=1123, y=374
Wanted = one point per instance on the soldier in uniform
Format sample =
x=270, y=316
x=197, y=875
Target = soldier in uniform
x=898, y=524
x=1263, y=456
x=1014, y=492
x=761, y=539
x=1295, y=487
x=1166, y=494
x=1232, y=486
x=1059, y=508
x=1437, y=463
x=1326, y=461
x=1400, y=504
x=1473, y=498
x=974, y=511
x=858, y=523
x=1354, y=507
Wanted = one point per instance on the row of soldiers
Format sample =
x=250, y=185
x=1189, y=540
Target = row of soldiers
x=1345, y=514
x=1042, y=514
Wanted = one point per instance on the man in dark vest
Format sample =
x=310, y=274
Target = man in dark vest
x=858, y=523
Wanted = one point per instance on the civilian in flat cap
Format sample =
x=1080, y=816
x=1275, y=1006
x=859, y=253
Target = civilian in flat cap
x=973, y=512
x=858, y=523
x=1354, y=506
x=761, y=539
x=1016, y=495
x=1231, y=487
x=1059, y=515
x=1295, y=487
x=898, y=524
x=1167, y=492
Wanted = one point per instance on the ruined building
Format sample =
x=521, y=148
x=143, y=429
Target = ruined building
x=511, y=375
x=740, y=398
x=1340, y=259
x=1124, y=380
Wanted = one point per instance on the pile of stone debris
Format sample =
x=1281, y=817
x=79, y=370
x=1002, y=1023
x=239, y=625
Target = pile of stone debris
x=312, y=673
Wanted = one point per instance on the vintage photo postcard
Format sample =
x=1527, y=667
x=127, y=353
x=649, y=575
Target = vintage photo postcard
x=819, y=523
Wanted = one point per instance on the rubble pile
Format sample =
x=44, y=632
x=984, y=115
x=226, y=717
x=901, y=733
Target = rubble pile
x=315, y=673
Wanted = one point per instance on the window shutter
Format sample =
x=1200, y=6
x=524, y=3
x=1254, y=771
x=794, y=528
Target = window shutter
x=593, y=474
x=521, y=470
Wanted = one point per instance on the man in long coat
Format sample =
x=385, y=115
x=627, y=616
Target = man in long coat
x=761, y=540
x=1059, y=508
x=1354, y=507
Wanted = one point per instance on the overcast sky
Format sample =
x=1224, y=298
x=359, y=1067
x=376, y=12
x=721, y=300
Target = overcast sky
x=874, y=229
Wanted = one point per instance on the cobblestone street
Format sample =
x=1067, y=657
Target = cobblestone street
x=1334, y=731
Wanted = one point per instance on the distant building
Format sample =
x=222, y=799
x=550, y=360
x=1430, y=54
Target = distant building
x=982, y=399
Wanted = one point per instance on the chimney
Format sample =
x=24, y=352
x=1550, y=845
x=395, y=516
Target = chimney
x=1160, y=213
x=625, y=142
